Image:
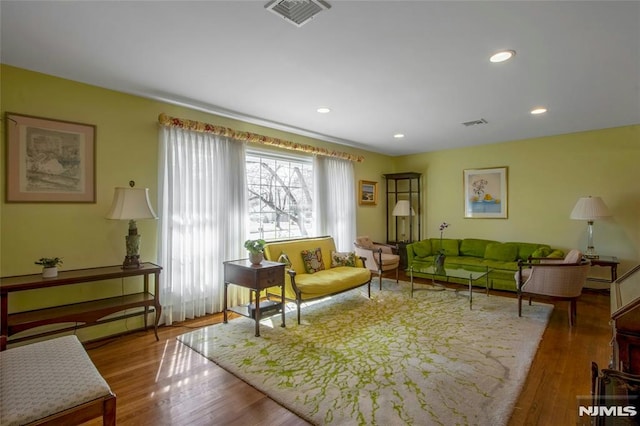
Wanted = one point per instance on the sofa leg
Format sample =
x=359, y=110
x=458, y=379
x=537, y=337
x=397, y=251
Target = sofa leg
x=380, y=279
x=298, y=304
x=397, y=275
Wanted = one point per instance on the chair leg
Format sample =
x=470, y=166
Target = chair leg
x=298, y=301
x=380, y=279
x=397, y=275
x=572, y=312
x=519, y=305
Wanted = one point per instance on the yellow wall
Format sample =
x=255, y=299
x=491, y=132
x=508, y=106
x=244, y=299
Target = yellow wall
x=127, y=140
x=546, y=176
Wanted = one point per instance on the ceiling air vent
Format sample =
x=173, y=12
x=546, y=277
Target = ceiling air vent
x=298, y=12
x=475, y=122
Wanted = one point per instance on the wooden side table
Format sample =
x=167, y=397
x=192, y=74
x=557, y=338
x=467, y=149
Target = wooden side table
x=256, y=278
x=402, y=252
x=607, y=262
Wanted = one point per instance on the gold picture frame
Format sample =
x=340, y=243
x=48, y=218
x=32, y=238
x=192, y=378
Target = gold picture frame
x=367, y=193
x=49, y=161
x=485, y=193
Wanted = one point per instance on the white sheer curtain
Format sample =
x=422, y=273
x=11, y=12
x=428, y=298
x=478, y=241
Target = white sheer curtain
x=203, y=211
x=335, y=199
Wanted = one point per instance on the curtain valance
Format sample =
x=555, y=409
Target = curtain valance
x=199, y=126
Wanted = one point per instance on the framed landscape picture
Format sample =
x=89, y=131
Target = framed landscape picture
x=485, y=193
x=49, y=161
x=368, y=192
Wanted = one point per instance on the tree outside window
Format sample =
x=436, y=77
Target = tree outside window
x=280, y=196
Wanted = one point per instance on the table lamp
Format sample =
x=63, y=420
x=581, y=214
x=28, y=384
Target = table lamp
x=131, y=204
x=590, y=208
x=403, y=209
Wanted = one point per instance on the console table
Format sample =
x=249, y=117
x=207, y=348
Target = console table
x=89, y=312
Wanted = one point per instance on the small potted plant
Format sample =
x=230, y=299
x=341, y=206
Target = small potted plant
x=49, y=266
x=256, y=250
x=440, y=256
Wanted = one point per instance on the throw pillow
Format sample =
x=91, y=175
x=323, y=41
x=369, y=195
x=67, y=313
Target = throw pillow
x=502, y=252
x=283, y=258
x=422, y=248
x=312, y=260
x=543, y=251
x=343, y=259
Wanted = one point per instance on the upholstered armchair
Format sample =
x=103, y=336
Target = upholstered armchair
x=557, y=279
x=379, y=257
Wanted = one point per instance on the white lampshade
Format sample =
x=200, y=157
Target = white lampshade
x=589, y=208
x=131, y=204
x=403, y=208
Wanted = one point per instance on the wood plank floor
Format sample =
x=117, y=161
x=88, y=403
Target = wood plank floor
x=166, y=383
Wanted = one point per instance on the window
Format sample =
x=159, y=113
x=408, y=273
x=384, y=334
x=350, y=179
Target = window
x=280, y=195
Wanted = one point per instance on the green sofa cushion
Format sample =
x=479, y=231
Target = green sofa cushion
x=501, y=251
x=422, y=248
x=474, y=247
x=449, y=245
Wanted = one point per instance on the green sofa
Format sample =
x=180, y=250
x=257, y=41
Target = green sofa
x=500, y=258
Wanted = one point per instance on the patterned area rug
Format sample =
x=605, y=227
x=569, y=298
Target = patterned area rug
x=388, y=360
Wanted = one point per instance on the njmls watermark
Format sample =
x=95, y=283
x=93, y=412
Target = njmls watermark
x=610, y=410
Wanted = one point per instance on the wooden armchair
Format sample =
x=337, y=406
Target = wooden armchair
x=379, y=257
x=562, y=279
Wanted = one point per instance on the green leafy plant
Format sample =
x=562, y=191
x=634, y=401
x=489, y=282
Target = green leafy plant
x=49, y=262
x=255, y=246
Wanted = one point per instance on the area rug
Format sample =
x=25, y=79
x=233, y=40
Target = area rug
x=388, y=360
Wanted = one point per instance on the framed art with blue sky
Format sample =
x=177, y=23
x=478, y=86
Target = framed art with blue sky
x=485, y=193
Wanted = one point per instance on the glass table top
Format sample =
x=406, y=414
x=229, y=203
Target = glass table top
x=466, y=272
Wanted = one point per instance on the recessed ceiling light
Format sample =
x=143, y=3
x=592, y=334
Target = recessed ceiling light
x=324, y=110
x=502, y=56
x=399, y=135
x=539, y=110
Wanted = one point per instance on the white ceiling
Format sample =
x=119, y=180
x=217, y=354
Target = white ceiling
x=416, y=67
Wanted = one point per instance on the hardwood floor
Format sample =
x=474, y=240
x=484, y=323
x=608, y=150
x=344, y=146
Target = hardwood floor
x=166, y=383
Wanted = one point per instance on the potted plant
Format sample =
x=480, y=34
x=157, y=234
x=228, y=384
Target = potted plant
x=256, y=250
x=440, y=256
x=49, y=266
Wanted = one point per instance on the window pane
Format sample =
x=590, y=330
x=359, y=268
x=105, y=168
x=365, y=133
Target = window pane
x=280, y=196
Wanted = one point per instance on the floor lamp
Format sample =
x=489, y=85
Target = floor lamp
x=590, y=208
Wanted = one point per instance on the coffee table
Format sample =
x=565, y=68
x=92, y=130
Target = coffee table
x=469, y=273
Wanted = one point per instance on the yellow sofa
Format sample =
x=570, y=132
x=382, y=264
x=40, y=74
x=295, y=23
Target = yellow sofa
x=302, y=286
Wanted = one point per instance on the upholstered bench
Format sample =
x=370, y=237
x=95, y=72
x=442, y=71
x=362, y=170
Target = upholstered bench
x=53, y=382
